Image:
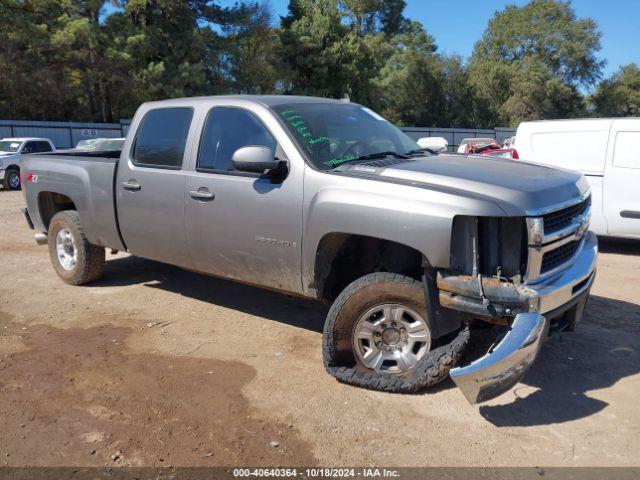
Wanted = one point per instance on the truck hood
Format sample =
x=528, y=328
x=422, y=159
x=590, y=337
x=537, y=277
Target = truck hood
x=6, y=158
x=517, y=187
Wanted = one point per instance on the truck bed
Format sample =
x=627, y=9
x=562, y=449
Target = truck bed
x=109, y=156
x=86, y=179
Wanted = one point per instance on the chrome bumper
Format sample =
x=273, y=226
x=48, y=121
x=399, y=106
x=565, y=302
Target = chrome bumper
x=499, y=370
x=2, y=174
x=502, y=367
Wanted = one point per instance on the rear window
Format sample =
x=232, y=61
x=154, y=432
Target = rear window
x=162, y=136
x=42, y=147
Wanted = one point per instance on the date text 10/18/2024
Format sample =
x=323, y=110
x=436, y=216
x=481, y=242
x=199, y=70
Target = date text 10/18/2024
x=317, y=472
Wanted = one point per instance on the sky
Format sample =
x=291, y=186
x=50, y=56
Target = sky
x=458, y=24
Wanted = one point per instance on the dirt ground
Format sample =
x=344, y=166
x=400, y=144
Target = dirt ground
x=156, y=366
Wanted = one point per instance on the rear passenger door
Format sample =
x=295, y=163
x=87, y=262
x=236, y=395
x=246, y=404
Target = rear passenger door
x=622, y=179
x=150, y=186
x=242, y=225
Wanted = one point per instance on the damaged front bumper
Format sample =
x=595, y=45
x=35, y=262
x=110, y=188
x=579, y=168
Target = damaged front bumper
x=559, y=300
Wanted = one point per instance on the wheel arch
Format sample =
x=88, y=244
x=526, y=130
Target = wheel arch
x=11, y=168
x=50, y=203
x=342, y=257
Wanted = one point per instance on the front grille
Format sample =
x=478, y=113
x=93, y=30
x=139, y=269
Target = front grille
x=560, y=219
x=558, y=256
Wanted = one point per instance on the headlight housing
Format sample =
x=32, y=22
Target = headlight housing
x=493, y=246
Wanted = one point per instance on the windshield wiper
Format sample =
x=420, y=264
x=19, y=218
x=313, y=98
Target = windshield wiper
x=369, y=156
x=421, y=150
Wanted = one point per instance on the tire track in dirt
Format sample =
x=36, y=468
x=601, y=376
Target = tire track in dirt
x=81, y=397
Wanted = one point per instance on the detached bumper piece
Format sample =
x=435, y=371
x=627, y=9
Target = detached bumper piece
x=533, y=308
x=506, y=364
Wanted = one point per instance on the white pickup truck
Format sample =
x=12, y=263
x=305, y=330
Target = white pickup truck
x=11, y=152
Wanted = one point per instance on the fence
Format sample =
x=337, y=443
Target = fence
x=63, y=134
x=68, y=134
x=455, y=135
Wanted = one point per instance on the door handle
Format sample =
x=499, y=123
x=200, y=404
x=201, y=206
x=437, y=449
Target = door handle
x=630, y=214
x=131, y=185
x=202, y=194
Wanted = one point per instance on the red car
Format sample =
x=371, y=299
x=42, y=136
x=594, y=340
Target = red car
x=488, y=146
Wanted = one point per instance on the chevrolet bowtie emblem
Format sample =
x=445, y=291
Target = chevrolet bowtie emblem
x=584, y=226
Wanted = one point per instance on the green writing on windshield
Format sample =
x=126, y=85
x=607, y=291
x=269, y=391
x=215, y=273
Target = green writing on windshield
x=298, y=123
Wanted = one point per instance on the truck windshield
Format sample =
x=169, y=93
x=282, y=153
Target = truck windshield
x=9, y=146
x=332, y=134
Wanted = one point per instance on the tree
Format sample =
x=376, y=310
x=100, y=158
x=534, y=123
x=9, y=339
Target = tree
x=409, y=87
x=536, y=95
x=462, y=107
x=31, y=70
x=619, y=96
x=316, y=49
x=332, y=47
x=531, y=61
x=367, y=17
x=82, y=61
x=252, y=57
x=548, y=32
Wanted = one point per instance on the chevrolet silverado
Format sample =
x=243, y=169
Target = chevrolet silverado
x=415, y=252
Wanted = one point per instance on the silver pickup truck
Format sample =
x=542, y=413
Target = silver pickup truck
x=420, y=255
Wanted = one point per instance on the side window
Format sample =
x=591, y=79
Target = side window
x=626, y=151
x=226, y=130
x=162, y=136
x=30, y=147
x=43, y=147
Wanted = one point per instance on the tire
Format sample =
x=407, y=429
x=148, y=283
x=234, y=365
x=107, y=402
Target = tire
x=81, y=261
x=341, y=348
x=11, y=179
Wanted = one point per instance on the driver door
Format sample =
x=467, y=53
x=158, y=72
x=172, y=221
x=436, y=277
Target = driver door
x=243, y=225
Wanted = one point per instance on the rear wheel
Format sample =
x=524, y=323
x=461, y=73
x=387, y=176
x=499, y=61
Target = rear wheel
x=377, y=336
x=12, y=179
x=74, y=259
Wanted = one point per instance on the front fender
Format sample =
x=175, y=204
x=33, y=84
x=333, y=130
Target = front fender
x=417, y=217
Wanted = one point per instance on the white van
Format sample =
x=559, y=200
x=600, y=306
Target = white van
x=606, y=151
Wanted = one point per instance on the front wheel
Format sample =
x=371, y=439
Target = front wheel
x=12, y=179
x=377, y=336
x=75, y=260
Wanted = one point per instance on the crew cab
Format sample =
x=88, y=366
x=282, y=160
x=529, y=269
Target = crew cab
x=417, y=253
x=11, y=152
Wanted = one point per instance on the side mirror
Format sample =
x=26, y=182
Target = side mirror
x=255, y=159
x=26, y=150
